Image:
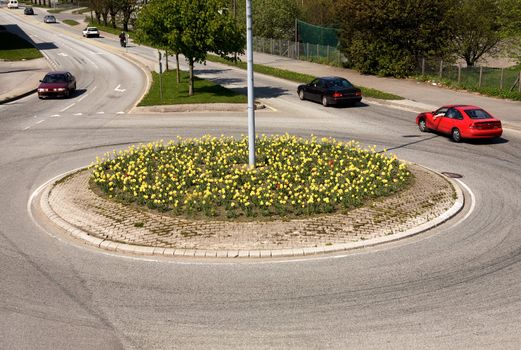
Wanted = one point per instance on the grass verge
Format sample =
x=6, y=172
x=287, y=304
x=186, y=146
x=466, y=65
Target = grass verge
x=298, y=77
x=492, y=91
x=70, y=22
x=15, y=48
x=173, y=93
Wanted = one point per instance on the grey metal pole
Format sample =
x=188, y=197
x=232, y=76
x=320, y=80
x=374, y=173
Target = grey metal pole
x=251, y=95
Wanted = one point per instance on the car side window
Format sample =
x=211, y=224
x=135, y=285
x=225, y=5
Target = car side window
x=450, y=113
x=457, y=115
x=314, y=82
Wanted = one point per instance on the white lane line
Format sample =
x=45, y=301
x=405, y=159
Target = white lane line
x=120, y=113
x=100, y=112
x=472, y=203
x=55, y=115
x=94, y=89
x=118, y=89
x=40, y=121
x=78, y=114
x=81, y=98
x=63, y=54
x=69, y=106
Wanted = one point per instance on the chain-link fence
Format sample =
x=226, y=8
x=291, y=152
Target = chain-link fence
x=473, y=77
x=302, y=51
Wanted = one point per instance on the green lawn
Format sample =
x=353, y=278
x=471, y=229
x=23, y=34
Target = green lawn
x=173, y=93
x=298, y=77
x=70, y=22
x=15, y=48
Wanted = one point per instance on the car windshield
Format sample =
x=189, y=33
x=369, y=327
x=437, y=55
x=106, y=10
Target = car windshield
x=477, y=114
x=339, y=83
x=92, y=29
x=55, y=78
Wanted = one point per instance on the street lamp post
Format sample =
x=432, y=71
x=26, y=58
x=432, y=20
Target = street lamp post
x=251, y=95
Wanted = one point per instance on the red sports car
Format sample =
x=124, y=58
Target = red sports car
x=460, y=122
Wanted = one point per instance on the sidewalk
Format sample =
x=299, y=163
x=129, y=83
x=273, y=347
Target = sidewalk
x=20, y=78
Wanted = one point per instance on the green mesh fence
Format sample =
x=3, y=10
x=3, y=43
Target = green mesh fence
x=309, y=33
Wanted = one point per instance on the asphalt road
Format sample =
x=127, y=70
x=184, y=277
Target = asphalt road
x=457, y=286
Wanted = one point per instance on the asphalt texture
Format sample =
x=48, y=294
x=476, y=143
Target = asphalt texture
x=455, y=286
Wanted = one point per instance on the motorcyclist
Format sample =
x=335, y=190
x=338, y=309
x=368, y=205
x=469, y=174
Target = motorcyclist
x=123, y=39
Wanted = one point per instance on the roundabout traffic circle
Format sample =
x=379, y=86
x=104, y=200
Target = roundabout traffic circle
x=72, y=205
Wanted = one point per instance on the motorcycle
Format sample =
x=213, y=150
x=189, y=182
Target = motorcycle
x=123, y=42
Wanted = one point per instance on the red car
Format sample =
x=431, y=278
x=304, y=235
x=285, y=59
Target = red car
x=460, y=122
x=57, y=84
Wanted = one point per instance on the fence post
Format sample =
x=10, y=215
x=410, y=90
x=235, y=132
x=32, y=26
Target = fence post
x=441, y=69
x=501, y=79
x=307, y=51
x=280, y=47
x=327, y=51
x=318, y=54
x=289, y=52
x=423, y=65
x=271, y=44
x=297, y=45
x=519, y=82
x=480, y=75
x=459, y=73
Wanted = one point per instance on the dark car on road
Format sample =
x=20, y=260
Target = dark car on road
x=330, y=91
x=28, y=11
x=56, y=84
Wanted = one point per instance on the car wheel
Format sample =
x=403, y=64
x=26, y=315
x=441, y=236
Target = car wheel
x=422, y=125
x=324, y=101
x=456, y=135
x=301, y=94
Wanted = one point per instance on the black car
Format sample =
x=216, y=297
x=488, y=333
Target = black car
x=28, y=11
x=330, y=91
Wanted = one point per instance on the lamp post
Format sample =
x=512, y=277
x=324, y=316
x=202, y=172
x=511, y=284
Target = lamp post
x=251, y=95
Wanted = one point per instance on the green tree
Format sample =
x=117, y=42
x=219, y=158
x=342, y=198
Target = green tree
x=478, y=30
x=387, y=37
x=510, y=19
x=191, y=28
x=275, y=18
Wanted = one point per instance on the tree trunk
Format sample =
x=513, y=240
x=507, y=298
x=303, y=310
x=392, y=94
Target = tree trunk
x=191, y=78
x=178, y=73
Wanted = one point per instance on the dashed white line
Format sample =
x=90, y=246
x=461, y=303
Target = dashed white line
x=78, y=114
x=81, y=98
x=55, y=115
x=69, y=106
x=100, y=112
x=40, y=121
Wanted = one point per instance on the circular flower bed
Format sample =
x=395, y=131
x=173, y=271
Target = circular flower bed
x=210, y=176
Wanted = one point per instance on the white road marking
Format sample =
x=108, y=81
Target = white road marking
x=81, y=98
x=100, y=112
x=55, y=115
x=63, y=54
x=119, y=90
x=94, y=89
x=69, y=106
x=120, y=113
x=78, y=114
x=472, y=203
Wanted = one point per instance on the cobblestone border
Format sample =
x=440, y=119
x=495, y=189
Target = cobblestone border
x=64, y=203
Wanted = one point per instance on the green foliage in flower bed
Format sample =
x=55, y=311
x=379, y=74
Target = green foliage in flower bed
x=210, y=177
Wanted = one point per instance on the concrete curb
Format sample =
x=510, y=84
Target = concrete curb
x=108, y=245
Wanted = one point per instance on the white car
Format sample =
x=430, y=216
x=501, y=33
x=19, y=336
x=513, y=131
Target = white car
x=12, y=4
x=91, y=31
